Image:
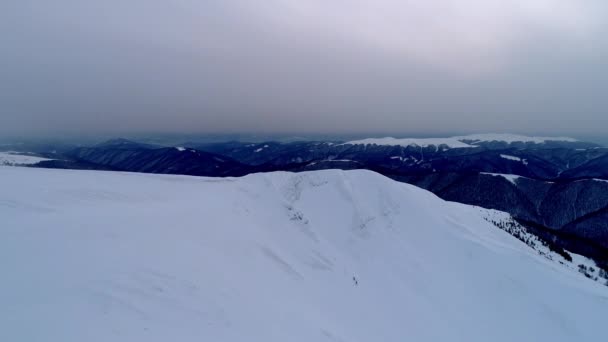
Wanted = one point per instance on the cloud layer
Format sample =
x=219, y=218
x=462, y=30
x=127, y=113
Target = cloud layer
x=293, y=65
x=445, y=33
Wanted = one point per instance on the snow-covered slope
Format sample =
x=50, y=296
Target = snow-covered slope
x=422, y=142
x=466, y=141
x=511, y=178
x=510, y=138
x=320, y=256
x=18, y=159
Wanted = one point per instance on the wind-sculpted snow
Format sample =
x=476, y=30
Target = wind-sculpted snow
x=317, y=256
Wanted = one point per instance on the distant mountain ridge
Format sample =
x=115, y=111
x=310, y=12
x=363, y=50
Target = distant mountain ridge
x=476, y=140
x=125, y=155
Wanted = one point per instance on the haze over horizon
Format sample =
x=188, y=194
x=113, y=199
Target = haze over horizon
x=345, y=67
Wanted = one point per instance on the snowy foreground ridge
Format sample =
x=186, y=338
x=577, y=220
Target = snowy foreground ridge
x=320, y=256
x=465, y=141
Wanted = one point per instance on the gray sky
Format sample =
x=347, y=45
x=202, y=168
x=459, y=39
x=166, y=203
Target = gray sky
x=395, y=66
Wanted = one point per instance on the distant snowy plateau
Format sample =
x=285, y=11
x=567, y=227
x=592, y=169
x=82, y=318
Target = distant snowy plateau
x=465, y=141
x=347, y=256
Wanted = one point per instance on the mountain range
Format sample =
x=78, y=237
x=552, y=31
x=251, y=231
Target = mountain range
x=556, y=187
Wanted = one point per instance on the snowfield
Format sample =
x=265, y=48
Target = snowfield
x=421, y=142
x=465, y=141
x=506, y=156
x=510, y=138
x=511, y=178
x=331, y=255
x=18, y=159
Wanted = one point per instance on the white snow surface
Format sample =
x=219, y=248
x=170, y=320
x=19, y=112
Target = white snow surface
x=318, y=256
x=422, y=142
x=16, y=159
x=260, y=149
x=506, y=156
x=511, y=138
x=458, y=141
x=511, y=178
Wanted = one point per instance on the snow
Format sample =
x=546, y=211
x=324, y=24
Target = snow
x=514, y=158
x=511, y=178
x=510, y=138
x=422, y=142
x=465, y=141
x=592, y=179
x=16, y=159
x=316, y=256
x=261, y=149
x=183, y=149
x=506, y=222
x=404, y=159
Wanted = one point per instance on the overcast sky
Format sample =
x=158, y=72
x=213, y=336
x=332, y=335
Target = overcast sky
x=395, y=66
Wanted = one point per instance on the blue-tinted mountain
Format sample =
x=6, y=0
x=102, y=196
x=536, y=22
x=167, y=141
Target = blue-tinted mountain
x=125, y=155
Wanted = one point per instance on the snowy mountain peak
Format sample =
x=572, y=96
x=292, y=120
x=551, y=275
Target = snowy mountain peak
x=317, y=256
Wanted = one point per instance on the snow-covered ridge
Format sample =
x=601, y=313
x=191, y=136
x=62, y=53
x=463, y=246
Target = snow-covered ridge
x=509, y=157
x=466, y=141
x=511, y=178
x=18, y=159
x=316, y=256
x=422, y=142
x=510, y=138
x=514, y=158
x=593, y=180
